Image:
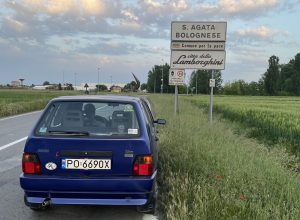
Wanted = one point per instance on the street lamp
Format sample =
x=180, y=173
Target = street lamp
x=162, y=78
x=98, y=79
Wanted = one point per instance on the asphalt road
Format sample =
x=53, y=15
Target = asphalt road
x=13, y=133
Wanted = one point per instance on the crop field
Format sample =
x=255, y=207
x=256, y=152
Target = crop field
x=211, y=172
x=274, y=119
x=19, y=101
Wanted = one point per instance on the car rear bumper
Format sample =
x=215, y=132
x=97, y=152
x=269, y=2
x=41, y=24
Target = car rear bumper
x=90, y=191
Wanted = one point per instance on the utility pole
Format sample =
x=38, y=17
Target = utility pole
x=196, y=82
x=162, y=80
x=98, y=79
x=211, y=99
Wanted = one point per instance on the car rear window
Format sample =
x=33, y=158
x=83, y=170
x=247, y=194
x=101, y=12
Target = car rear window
x=94, y=119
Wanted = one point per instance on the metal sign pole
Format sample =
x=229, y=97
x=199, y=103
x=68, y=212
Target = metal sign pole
x=176, y=100
x=211, y=99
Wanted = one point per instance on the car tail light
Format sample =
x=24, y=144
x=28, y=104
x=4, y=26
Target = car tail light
x=31, y=164
x=143, y=166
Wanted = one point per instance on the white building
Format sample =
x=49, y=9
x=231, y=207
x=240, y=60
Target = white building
x=92, y=86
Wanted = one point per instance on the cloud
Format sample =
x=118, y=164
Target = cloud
x=261, y=32
x=178, y=5
x=14, y=25
x=135, y=33
x=152, y=4
x=109, y=48
x=234, y=7
x=93, y=7
x=129, y=15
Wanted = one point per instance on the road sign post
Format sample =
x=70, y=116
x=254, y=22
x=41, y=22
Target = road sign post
x=176, y=101
x=211, y=98
x=176, y=77
x=198, y=45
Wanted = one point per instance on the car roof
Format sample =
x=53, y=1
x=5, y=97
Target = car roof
x=114, y=98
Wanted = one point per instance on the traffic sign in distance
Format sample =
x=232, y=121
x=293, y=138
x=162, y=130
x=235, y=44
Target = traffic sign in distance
x=176, y=77
x=212, y=83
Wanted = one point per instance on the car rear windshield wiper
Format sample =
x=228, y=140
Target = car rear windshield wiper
x=70, y=133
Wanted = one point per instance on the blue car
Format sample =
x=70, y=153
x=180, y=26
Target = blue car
x=92, y=150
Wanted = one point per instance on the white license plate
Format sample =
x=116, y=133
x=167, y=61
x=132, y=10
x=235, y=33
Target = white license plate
x=86, y=164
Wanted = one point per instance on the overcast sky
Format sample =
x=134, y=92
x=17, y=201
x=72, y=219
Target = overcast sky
x=54, y=39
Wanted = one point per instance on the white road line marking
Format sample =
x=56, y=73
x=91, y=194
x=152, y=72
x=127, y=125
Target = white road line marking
x=12, y=143
x=149, y=217
x=16, y=116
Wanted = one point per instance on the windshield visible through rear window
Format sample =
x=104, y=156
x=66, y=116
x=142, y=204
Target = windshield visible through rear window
x=89, y=119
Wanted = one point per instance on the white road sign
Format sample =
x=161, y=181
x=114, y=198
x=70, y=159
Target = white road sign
x=176, y=77
x=198, y=59
x=212, y=82
x=197, y=45
x=198, y=31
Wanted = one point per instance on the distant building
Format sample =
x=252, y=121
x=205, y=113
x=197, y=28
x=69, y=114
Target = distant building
x=92, y=86
x=15, y=83
x=44, y=87
x=115, y=88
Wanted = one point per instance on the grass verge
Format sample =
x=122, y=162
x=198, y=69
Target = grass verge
x=212, y=173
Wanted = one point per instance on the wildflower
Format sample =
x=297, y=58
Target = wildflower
x=242, y=198
x=218, y=178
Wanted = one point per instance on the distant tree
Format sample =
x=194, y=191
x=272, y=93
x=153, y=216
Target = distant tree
x=59, y=86
x=261, y=86
x=234, y=88
x=287, y=84
x=297, y=74
x=144, y=86
x=131, y=87
x=202, y=77
x=252, y=88
x=271, y=77
x=69, y=86
x=46, y=83
x=154, y=79
x=101, y=87
x=182, y=89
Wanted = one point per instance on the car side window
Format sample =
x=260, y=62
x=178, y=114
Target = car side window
x=148, y=114
x=149, y=119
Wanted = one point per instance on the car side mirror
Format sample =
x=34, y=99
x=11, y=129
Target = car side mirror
x=160, y=121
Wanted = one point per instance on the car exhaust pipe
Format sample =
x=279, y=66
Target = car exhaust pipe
x=46, y=203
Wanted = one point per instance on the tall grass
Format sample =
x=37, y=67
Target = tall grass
x=19, y=101
x=211, y=173
x=274, y=119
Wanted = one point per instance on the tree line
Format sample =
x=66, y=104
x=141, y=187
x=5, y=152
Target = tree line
x=279, y=79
